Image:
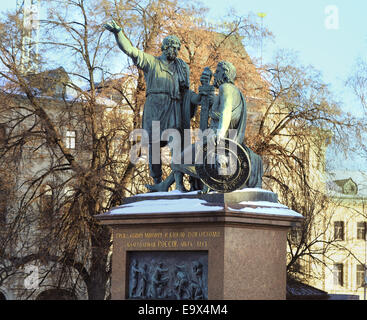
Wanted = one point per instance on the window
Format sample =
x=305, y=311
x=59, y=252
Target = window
x=46, y=201
x=360, y=275
x=296, y=235
x=2, y=135
x=361, y=230
x=68, y=191
x=338, y=274
x=339, y=230
x=296, y=267
x=70, y=139
x=4, y=198
x=3, y=203
x=66, y=200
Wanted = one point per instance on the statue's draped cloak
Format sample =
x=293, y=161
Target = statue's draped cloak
x=256, y=174
x=238, y=118
x=166, y=92
x=238, y=122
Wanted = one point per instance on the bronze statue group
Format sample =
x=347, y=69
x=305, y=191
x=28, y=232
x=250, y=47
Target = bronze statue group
x=171, y=103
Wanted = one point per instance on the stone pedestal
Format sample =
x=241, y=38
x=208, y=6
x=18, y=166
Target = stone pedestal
x=238, y=240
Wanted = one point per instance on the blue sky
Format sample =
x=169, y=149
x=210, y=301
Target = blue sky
x=302, y=26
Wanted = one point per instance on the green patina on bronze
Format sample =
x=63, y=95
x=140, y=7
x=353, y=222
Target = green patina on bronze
x=168, y=98
x=169, y=101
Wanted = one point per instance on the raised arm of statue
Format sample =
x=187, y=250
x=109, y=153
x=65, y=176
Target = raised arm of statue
x=122, y=41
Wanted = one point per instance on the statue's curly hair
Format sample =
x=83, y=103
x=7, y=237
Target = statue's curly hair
x=169, y=41
x=229, y=70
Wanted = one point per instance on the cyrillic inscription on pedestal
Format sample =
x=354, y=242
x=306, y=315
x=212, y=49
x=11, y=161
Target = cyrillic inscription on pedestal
x=175, y=275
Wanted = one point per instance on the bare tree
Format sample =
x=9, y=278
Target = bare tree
x=300, y=119
x=67, y=130
x=70, y=152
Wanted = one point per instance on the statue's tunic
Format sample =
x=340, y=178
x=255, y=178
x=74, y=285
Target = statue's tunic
x=238, y=117
x=238, y=122
x=166, y=85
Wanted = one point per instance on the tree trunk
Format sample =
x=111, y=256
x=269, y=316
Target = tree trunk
x=97, y=282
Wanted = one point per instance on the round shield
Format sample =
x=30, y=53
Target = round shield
x=223, y=167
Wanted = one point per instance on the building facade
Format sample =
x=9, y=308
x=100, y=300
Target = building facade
x=35, y=195
x=342, y=270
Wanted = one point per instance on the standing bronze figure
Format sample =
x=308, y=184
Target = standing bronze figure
x=168, y=98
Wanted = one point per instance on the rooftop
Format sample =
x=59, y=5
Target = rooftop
x=348, y=184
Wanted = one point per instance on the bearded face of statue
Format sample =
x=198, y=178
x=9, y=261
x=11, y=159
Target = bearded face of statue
x=219, y=77
x=170, y=47
x=171, y=52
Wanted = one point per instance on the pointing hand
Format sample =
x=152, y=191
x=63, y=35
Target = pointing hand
x=112, y=26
